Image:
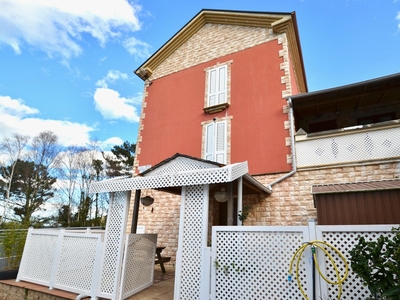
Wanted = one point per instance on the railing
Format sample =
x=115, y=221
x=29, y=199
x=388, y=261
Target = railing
x=16, y=236
x=349, y=145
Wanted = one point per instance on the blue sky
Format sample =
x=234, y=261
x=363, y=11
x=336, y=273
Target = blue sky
x=67, y=65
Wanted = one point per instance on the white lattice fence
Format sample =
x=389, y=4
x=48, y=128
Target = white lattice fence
x=78, y=262
x=38, y=257
x=252, y=262
x=60, y=259
x=113, y=246
x=138, y=265
x=192, y=242
x=345, y=238
x=351, y=147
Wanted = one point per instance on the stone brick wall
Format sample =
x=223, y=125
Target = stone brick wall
x=161, y=218
x=213, y=41
x=291, y=202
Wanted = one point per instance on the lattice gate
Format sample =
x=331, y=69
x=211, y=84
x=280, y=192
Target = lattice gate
x=252, y=262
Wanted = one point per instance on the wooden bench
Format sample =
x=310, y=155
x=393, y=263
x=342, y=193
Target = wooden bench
x=160, y=260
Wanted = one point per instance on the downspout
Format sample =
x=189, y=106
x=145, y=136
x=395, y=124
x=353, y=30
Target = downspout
x=292, y=146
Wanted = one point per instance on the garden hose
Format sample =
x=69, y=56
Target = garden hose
x=321, y=245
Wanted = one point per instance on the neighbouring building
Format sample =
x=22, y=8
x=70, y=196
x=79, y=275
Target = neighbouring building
x=230, y=87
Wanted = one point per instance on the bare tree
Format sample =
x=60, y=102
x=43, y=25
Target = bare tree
x=11, y=149
x=44, y=149
x=67, y=174
x=87, y=169
x=77, y=168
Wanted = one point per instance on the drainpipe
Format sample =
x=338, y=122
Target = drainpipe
x=294, y=167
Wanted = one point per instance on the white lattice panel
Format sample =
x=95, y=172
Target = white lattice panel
x=183, y=178
x=38, y=258
x=253, y=262
x=180, y=164
x=114, y=239
x=192, y=243
x=77, y=262
x=347, y=148
x=344, y=238
x=138, y=263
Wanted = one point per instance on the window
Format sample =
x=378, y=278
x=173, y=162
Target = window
x=216, y=142
x=217, y=86
x=217, y=92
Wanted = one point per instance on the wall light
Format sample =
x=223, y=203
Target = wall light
x=221, y=196
x=147, y=200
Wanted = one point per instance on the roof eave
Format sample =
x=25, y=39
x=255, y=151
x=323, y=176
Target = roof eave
x=279, y=22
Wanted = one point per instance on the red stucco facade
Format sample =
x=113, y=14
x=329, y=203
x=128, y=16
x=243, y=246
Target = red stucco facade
x=174, y=111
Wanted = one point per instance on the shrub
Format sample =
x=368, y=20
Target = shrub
x=13, y=244
x=377, y=264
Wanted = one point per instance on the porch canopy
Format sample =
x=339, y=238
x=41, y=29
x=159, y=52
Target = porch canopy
x=183, y=170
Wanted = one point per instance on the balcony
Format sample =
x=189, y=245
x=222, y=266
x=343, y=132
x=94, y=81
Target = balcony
x=351, y=145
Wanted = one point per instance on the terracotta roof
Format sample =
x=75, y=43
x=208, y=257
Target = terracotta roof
x=355, y=187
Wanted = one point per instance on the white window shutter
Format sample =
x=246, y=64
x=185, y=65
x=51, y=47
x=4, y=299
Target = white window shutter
x=209, y=146
x=216, y=142
x=217, y=85
x=222, y=84
x=220, y=142
x=212, y=88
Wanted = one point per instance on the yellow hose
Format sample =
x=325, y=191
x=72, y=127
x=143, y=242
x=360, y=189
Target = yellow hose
x=320, y=245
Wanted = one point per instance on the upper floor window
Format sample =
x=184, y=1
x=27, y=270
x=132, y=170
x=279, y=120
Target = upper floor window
x=217, y=88
x=216, y=142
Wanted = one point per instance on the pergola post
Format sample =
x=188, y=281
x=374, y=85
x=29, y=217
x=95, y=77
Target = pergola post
x=135, y=215
x=239, y=200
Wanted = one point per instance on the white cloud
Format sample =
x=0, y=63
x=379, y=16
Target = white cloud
x=110, y=103
x=111, y=142
x=112, y=76
x=57, y=27
x=398, y=19
x=14, y=119
x=15, y=107
x=112, y=106
x=137, y=48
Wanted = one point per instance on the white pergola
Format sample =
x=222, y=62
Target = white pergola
x=120, y=259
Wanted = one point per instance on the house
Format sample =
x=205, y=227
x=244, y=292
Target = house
x=230, y=87
x=348, y=149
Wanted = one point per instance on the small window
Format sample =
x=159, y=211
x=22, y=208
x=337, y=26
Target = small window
x=216, y=141
x=217, y=88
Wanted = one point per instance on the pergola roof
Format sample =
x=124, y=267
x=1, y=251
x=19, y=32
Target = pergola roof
x=182, y=170
x=382, y=91
x=356, y=187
